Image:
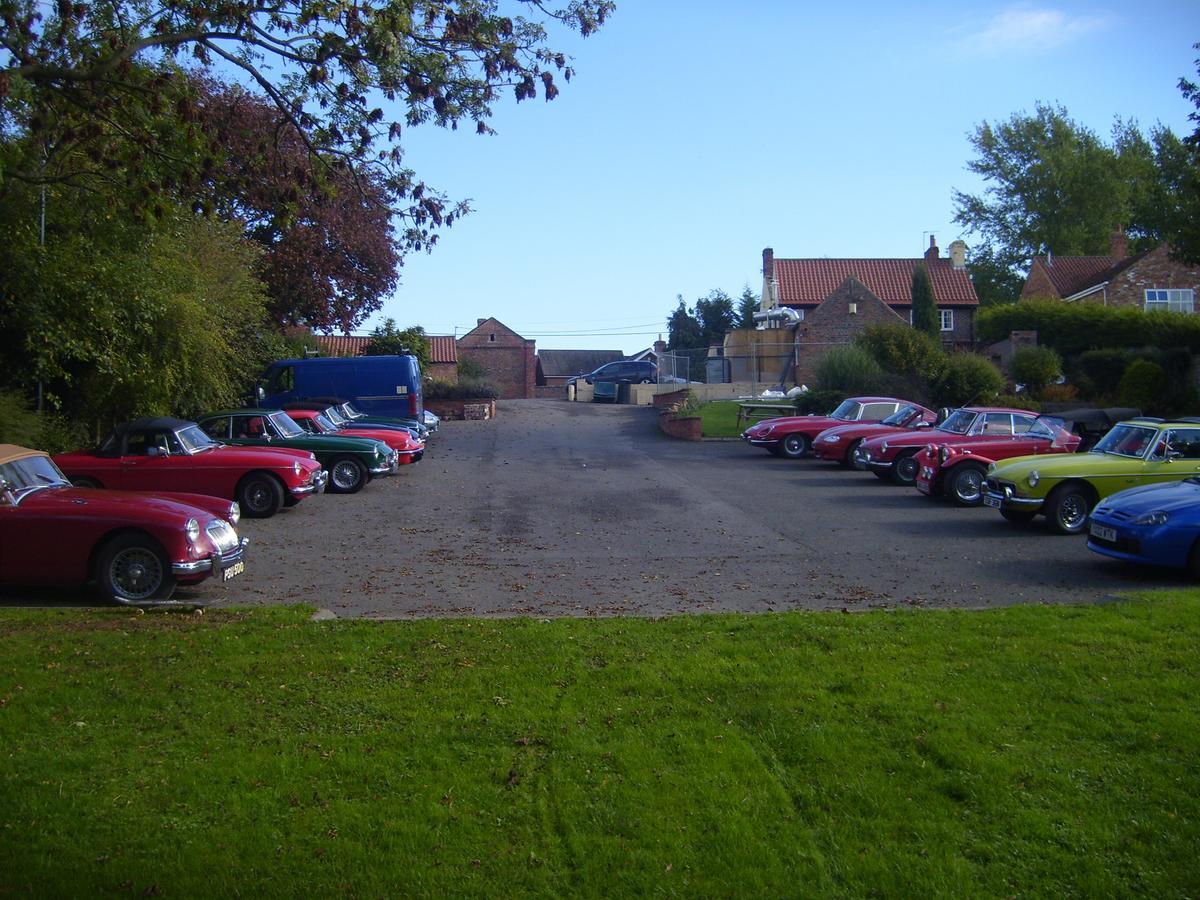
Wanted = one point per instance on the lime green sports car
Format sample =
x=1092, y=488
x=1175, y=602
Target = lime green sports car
x=1064, y=488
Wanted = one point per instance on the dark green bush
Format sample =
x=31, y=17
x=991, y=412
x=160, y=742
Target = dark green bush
x=1143, y=385
x=1035, y=367
x=21, y=425
x=1073, y=328
x=819, y=403
x=848, y=369
x=1016, y=401
x=463, y=389
x=967, y=379
x=902, y=350
x=1102, y=370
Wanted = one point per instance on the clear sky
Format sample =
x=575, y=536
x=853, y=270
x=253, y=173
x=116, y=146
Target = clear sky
x=695, y=134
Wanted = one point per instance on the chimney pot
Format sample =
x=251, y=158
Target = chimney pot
x=958, y=254
x=1119, y=244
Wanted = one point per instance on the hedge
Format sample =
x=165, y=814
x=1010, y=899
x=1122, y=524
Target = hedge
x=1072, y=328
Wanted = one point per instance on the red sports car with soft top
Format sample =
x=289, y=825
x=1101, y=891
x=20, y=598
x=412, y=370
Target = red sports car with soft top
x=136, y=547
x=840, y=444
x=408, y=449
x=792, y=436
x=164, y=454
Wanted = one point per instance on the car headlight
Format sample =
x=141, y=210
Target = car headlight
x=192, y=529
x=991, y=468
x=1156, y=517
x=1033, y=478
x=883, y=447
x=944, y=454
x=297, y=468
x=235, y=513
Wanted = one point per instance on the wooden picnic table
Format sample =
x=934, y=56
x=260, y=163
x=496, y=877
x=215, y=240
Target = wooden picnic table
x=754, y=412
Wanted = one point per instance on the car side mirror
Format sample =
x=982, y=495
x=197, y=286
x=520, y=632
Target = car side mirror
x=1173, y=455
x=157, y=451
x=922, y=424
x=6, y=494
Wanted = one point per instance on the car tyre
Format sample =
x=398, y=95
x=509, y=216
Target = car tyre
x=965, y=484
x=85, y=483
x=132, y=568
x=904, y=469
x=260, y=495
x=347, y=476
x=1067, y=509
x=1018, y=516
x=847, y=461
x=795, y=446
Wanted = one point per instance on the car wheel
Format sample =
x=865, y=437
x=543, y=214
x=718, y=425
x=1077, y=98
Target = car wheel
x=965, y=485
x=85, y=482
x=1067, y=509
x=346, y=475
x=904, y=469
x=132, y=568
x=260, y=496
x=1018, y=516
x=848, y=460
x=794, y=446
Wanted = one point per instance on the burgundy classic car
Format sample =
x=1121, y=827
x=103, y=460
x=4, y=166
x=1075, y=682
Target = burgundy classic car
x=136, y=547
x=894, y=456
x=408, y=449
x=956, y=465
x=164, y=454
x=792, y=436
x=840, y=444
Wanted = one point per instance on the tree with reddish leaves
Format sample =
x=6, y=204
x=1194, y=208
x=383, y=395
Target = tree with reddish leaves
x=331, y=252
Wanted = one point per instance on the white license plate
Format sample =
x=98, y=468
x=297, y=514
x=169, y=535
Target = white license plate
x=233, y=571
x=1104, y=533
x=989, y=500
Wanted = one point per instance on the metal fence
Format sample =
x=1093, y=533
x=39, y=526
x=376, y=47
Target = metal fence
x=762, y=364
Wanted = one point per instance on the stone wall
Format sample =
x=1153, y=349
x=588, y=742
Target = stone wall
x=462, y=409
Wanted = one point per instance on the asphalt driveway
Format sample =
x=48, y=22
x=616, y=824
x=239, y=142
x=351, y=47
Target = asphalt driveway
x=559, y=508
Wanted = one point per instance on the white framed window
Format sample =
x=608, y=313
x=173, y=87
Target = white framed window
x=1171, y=300
x=946, y=319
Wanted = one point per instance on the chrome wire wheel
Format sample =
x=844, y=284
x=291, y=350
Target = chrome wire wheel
x=966, y=486
x=904, y=470
x=1068, y=510
x=136, y=573
x=346, y=475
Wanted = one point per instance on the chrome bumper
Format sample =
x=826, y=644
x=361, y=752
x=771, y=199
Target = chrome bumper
x=320, y=479
x=1008, y=501
x=214, y=563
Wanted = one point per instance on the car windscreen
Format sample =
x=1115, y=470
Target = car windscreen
x=325, y=422
x=1049, y=427
x=958, y=422
x=193, y=439
x=900, y=416
x=286, y=424
x=335, y=416
x=847, y=409
x=30, y=473
x=1126, y=440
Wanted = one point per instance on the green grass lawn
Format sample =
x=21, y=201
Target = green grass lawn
x=719, y=418
x=1023, y=751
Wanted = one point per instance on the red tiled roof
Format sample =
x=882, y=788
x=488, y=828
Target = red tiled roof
x=1072, y=274
x=806, y=282
x=442, y=348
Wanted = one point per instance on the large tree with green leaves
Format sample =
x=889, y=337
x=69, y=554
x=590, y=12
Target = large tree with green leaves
x=101, y=89
x=387, y=339
x=747, y=306
x=1054, y=185
x=1179, y=165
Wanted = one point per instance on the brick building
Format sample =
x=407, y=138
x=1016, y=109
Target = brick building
x=506, y=357
x=1148, y=280
x=832, y=300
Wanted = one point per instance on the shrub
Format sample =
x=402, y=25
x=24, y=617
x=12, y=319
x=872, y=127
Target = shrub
x=1073, y=328
x=967, y=379
x=1143, y=385
x=819, y=402
x=902, y=350
x=463, y=389
x=21, y=425
x=471, y=369
x=1103, y=369
x=1059, y=393
x=1035, y=367
x=1016, y=401
x=849, y=369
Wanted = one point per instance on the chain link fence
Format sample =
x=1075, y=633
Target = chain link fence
x=761, y=364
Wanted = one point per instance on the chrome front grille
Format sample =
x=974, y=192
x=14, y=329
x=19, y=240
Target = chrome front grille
x=221, y=533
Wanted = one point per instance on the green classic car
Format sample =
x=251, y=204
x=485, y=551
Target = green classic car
x=1065, y=488
x=350, y=461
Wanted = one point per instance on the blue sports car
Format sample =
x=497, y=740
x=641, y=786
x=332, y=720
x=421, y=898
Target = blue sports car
x=1155, y=523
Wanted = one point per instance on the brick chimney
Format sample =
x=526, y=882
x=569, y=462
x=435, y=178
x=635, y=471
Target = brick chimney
x=660, y=347
x=958, y=254
x=932, y=252
x=1118, y=244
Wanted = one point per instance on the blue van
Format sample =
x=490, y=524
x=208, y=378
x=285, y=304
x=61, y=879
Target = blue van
x=377, y=385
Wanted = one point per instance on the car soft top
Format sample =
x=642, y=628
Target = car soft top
x=11, y=453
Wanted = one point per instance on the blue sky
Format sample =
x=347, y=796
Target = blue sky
x=696, y=134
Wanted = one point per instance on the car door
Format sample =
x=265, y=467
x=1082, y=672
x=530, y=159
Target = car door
x=159, y=463
x=1026, y=442
x=1174, y=456
x=33, y=546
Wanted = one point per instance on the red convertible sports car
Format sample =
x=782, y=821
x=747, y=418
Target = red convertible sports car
x=840, y=444
x=136, y=547
x=408, y=449
x=956, y=465
x=166, y=454
x=792, y=436
x=895, y=456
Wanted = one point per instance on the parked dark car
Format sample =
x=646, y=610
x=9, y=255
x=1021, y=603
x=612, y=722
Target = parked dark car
x=628, y=371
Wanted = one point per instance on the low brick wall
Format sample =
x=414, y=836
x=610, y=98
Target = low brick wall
x=662, y=401
x=685, y=428
x=462, y=409
x=550, y=392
